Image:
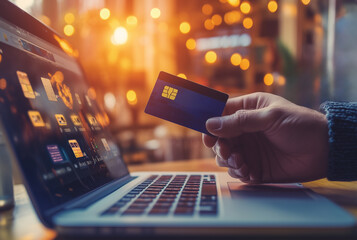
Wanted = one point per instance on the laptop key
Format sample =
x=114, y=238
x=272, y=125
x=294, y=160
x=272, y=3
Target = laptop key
x=133, y=211
x=159, y=211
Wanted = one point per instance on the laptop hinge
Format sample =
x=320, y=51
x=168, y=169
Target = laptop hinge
x=90, y=198
x=98, y=194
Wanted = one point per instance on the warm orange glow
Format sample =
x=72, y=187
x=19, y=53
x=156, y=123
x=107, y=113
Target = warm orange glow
x=234, y=3
x=217, y=19
x=3, y=83
x=125, y=63
x=185, y=27
x=209, y=24
x=131, y=20
x=182, y=75
x=46, y=20
x=248, y=23
x=236, y=59
x=1, y=57
x=155, y=13
x=244, y=64
x=232, y=17
x=163, y=27
x=91, y=93
x=272, y=6
x=69, y=18
x=191, y=44
x=120, y=36
x=222, y=1
x=268, y=79
x=245, y=7
x=281, y=80
x=112, y=57
x=65, y=46
x=207, y=9
x=68, y=30
x=104, y=13
x=131, y=97
x=305, y=2
x=211, y=57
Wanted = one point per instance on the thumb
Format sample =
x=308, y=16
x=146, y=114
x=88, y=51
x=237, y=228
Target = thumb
x=242, y=121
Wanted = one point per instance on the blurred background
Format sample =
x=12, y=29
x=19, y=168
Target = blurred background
x=302, y=50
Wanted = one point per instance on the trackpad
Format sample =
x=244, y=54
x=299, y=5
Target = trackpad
x=280, y=191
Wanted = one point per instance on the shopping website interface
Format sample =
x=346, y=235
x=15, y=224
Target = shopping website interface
x=54, y=123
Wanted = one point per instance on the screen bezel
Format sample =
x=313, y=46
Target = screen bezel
x=21, y=19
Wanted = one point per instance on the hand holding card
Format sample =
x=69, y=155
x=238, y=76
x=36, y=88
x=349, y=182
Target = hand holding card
x=184, y=102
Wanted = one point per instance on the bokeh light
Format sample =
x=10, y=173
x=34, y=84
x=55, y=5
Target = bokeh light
x=207, y=9
x=68, y=30
x=244, y=64
x=185, y=27
x=182, y=75
x=92, y=93
x=281, y=80
x=104, y=13
x=131, y=20
x=236, y=59
x=211, y=57
x=268, y=79
x=248, y=23
x=109, y=100
x=69, y=18
x=209, y=24
x=234, y=3
x=46, y=20
x=191, y=44
x=217, y=19
x=120, y=36
x=131, y=97
x=155, y=13
x=305, y=2
x=3, y=84
x=245, y=7
x=272, y=6
x=232, y=17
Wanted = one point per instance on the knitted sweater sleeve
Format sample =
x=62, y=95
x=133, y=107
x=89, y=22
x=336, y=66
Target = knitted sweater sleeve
x=342, y=127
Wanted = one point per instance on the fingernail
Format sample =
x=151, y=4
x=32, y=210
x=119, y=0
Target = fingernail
x=239, y=173
x=214, y=124
x=232, y=162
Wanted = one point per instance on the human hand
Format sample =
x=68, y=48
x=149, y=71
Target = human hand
x=264, y=138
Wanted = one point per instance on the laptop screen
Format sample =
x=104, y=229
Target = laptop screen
x=57, y=130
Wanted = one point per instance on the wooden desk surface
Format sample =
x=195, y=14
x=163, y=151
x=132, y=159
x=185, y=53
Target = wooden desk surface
x=22, y=222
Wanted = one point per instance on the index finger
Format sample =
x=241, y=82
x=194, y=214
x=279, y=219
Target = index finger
x=246, y=102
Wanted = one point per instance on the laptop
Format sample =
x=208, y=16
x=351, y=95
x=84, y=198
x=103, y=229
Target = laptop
x=75, y=175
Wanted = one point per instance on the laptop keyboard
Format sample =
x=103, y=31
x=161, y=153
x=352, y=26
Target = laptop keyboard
x=164, y=195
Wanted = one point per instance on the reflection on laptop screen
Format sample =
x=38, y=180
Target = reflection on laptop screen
x=56, y=128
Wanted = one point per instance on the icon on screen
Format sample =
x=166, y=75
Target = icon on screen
x=105, y=144
x=49, y=90
x=75, y=148
x=64, y=91
x=76, y=120
x=25, y=85
x=55, y=153
x=92, y=120
x=169, y=92
x=36, y=119
x=78, y=98
x=61, y=120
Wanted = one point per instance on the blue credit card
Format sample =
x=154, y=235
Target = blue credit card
x=184, y=102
